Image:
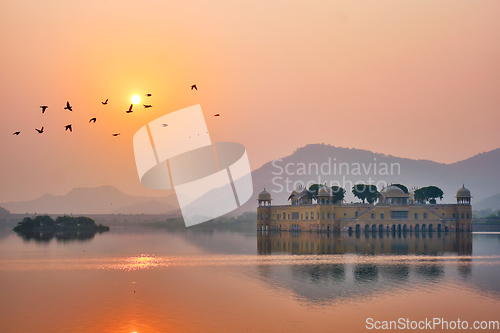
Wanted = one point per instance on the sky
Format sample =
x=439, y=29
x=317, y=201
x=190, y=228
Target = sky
x=415, y=78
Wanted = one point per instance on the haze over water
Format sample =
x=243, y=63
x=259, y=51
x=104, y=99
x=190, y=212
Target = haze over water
x=134, y=279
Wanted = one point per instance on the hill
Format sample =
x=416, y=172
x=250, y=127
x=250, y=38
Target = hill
x=4, y=211
x=97, y=200
x=148, y=207
x=492, y=203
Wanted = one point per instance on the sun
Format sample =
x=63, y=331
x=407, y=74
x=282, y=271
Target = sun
x=135, y=99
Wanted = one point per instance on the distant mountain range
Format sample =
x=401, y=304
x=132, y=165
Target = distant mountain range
x=492, y=202
x=4, y=211
x=97, y=200
x=315, y=163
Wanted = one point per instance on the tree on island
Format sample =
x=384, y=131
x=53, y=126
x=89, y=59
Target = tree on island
x=61, y=223
x=82, y=221
x=365, y=192
x=40, y=221
x=402, y=187
x=337, y=192
x=428, y=193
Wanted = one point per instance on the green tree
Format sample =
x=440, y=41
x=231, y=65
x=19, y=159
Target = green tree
x=337, y=191
x=70, y=221
x=338, y=194
x=434, y=192
x=27, y=222
x=85, y=221
x=485, y=212
x=44, y=221
x=428, y=193
x=66, y=220
x=365, y=192
x=37, y=222
x=312, y=192
x=401, y=186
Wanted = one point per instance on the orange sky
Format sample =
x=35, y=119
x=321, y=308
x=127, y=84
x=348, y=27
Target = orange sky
x=413, y=78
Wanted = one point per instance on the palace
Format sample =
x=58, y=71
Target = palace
x=395, y=211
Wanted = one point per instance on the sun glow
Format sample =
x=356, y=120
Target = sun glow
x=135, y=99
x=143, y=261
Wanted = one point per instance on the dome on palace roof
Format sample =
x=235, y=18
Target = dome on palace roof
x=298, y=193
x=325, y=191
x=392, y=192
x=264, y=196
x=463, y=193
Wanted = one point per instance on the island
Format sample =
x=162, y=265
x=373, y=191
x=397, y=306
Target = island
x=62, y=223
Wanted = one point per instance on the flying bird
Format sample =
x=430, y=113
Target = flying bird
x=69, y=107
x=194, y=87
x=44, y=107
x=16, y=133
x=115, y=134
x=216, y=115
x=68, y=127
x=40, y=131
x=105, y=102
x=147, y=106
x=92, y=120
x=130, y=108
x=149, y=95
x=164, y=125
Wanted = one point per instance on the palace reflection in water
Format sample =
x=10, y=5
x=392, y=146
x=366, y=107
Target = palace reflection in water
x=431, y=243
x=345, y=266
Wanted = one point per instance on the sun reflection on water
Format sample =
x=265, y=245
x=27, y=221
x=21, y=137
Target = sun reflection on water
x=151, y=261
x=144, y=261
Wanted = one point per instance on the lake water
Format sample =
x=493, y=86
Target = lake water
x=135, y=279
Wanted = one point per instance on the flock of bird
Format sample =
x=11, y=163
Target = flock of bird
x=68, y=107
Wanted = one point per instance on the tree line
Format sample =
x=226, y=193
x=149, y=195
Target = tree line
x=46, y=222
x=369, y=193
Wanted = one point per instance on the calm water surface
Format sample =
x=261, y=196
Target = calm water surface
x=134, y=279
